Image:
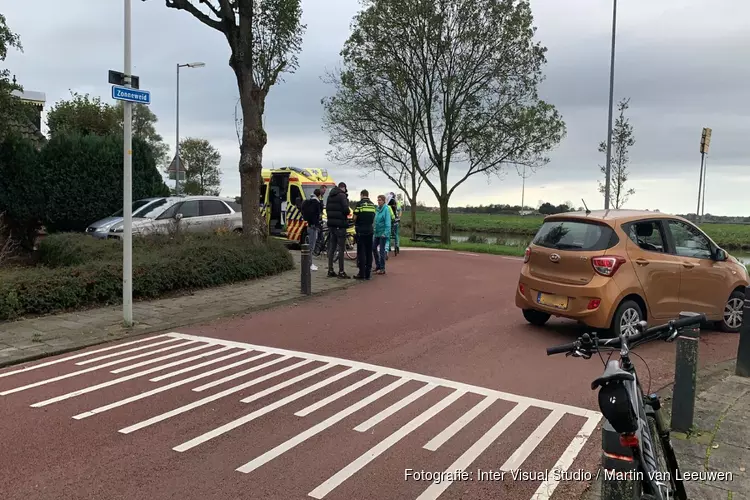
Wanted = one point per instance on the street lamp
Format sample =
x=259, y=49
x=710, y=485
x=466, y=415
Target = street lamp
x=611, y=99
x=177, y=160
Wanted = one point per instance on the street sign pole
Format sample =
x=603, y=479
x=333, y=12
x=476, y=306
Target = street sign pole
x=127, y=194
x=177, y=147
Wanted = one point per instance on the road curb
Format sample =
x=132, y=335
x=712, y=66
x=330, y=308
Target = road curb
x=175, y=324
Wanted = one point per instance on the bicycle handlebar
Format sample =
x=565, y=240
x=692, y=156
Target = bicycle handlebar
x=585, y=342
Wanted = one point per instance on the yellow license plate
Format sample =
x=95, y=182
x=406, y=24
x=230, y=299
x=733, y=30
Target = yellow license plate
x=555, y=301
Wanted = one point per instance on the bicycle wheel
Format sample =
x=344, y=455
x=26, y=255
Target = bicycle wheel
x=666, y=460
x=350, y=247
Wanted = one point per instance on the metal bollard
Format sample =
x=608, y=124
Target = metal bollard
x=685, y=373
x=306, y=278
x=743, y=351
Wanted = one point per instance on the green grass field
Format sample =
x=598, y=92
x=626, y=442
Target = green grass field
x=495, y=249
x=728, y=236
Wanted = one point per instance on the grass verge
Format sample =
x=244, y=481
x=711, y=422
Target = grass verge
x=489, y=248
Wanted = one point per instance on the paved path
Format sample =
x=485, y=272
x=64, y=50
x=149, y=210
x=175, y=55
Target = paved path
x=430, y=368
x=38, y=337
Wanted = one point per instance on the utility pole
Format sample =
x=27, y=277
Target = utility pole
x=607, y=184
x=705, y=142
x=127, y=190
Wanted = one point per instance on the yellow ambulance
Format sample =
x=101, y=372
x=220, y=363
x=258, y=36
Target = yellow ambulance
x=280, y=192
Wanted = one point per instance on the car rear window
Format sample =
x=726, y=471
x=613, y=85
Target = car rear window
x=575, y=235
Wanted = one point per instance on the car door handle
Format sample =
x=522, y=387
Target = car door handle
x=688, y=265
x=642, y=262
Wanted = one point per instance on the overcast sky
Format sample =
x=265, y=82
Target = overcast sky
x=685, y=64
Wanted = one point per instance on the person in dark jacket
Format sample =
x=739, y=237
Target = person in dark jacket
x=337, y=211
x=312, y=211
x=364, y=217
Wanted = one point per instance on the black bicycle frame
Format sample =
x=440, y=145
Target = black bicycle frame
x=634, y=466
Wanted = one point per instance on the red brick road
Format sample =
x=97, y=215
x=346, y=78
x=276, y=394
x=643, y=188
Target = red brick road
x=430, y=368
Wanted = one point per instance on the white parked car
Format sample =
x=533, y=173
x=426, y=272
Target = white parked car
x=186, y=214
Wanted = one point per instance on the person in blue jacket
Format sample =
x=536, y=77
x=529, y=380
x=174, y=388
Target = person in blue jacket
x=381, y=234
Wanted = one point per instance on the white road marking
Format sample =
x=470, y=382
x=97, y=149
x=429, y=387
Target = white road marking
x=242, y=373
x=80, y=372
x=376, y=419
x=248, y=353
x=209, y=399
x=291, y=381
x=161, y=358
x=77, y=356
x=383, y=446
x=325, y=424
x=545, y=490
x=122, y=379
x=465, y=460
x=340, y=394
x=199, y=365
x=514, y=398
x=516, y=460
x=266, y=409
x=459, y=424
x=128, y=351
x=146, y=394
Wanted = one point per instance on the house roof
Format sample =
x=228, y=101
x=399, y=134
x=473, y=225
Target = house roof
x=31, y=97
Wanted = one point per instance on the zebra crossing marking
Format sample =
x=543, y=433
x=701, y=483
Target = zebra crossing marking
x=285, y=361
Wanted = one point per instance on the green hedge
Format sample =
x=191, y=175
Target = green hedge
x=77, y=271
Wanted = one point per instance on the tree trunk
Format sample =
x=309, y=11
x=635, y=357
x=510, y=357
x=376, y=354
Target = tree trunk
x=413, y=202
x=254, y=140
x=445, y=228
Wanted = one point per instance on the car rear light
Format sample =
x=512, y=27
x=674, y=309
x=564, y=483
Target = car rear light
x=527, y=254
x=594, y=303
x=607, y=265
x=522, y=289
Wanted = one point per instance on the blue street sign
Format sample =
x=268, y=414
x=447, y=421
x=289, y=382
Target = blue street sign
x=132, y=95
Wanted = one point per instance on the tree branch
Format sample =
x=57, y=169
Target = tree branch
x=197, y=13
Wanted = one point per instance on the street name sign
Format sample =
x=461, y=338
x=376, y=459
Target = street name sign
x=131, y=95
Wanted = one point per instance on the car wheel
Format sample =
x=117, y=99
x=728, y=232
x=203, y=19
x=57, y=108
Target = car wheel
x=626, y=318
x=535, y=317
x=732, y=317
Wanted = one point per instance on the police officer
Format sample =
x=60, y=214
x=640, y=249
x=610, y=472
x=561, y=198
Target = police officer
x=364, y=216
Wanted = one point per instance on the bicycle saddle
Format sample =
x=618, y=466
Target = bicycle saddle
x=611, y=373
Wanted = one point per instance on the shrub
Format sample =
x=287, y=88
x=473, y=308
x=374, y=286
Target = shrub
x=160, y=266
x=21, y=188
x=83, y=178
x=73, y=249
x=475, y=238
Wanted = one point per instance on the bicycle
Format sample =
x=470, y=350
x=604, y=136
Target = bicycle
x=321, y=246
x=635, y=417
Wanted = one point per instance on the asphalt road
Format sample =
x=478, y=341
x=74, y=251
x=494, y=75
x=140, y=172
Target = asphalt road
x=344, y=397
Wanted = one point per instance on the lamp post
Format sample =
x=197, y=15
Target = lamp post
x=178, y=161
x=127, y=184
x=611, y=103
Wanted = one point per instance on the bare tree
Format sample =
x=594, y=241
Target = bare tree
x=265, y=37
x=374, y=126
x=622, y=140
x=471, y=68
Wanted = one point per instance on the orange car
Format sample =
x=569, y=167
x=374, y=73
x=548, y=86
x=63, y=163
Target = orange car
x=611, y=269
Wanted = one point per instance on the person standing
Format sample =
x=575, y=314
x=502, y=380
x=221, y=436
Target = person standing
x=312, y=212
x=364, y=218
x=337, y=212
x=383, y=216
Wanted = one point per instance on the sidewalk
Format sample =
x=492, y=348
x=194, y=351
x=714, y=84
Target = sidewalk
x=720, y=441
x=30, y=339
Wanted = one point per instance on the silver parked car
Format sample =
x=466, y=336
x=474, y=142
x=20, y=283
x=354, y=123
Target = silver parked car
x=186, y=213
x=141, y=208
